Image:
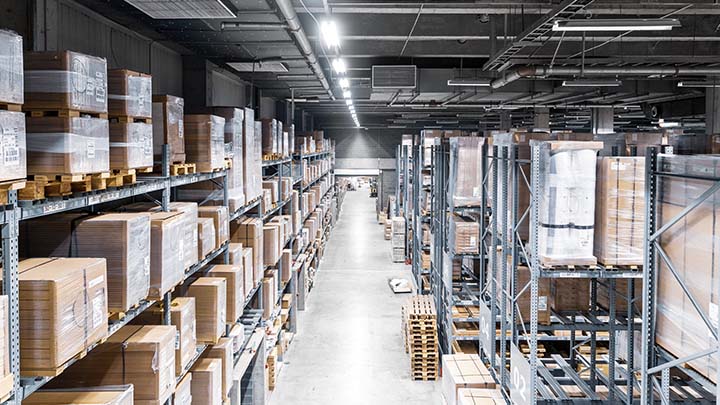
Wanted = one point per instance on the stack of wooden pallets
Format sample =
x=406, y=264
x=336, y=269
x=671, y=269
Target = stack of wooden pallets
x=421, y=341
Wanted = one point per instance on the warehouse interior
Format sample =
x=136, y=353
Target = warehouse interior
x=225, y=202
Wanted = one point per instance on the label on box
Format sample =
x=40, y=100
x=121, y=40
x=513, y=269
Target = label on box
x=100, y=95
x=181, y=128
x=98, y=311
x=476, y=191
x=618, y=166
x=522, y=138
x=10, y=151
x=96, y=281
x=90, y=149
x=542, y=303
x=146, y=265
x=635, y=137
x=473, y=240
x=148, y=146
x=177, y=339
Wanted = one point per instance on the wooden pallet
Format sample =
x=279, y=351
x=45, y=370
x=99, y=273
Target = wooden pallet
x=39, y=186
x=120, y=315
x=10, y=185
x=550, y=262
x=130, y=119
x=122, y=177
x=178, y=169
x=54, y=372
x=39, y=112
x=272, y=156
x=11, y=107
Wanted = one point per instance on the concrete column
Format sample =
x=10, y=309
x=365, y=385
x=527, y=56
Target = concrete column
x=603, y=120
x=712, y=110
x=505, y=121
x=541, y=119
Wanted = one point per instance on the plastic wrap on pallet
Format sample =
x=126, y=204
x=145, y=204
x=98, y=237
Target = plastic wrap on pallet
x=206, y=236
x=13, y=155
x=269, y=136
x=219, y=215
x=63, y=310
x=124, y=240
x=11, y=68
x=131, y=145
x=463, y=235
x=65, y=80
x=251, y=157
x=466, y=176
x=67, y=145
x=692, y=245
x=205, y=141
x=620, y=211
x=166, y=260
x=566, y=201
x=129, y=93
x=169, y=127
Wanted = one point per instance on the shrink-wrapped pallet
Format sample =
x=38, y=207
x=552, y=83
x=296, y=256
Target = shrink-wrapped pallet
x=63, y=310
x=205, y=141
x=566, y=202
x=249, y=232
x=620, y=212
x=464, y=235
x=466, y=176
x=183, y=391
x=235, y=297
x=272, y=186
x=271, y=248
x=252, y=157
x=234, y=121
x=269, y=295
x=65, y=80
x=428, y=140
x=463, y=371
x=207, y=382
x=124, y=240
x=129, y=93
x=166, y=259
x=206, y=236
x=210, y=306
x=269, y=136
x=249, y=275
x=168, y=127
x=234, y=255
x=67, y=145
x=223, y=351
x=141, y=355
x=219, y=215
x=108, y=395
x=131, y=145
x=692, y=245
x=11, y=68
x=13, y=161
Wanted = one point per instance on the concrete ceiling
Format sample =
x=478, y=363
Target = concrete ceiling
x=458, y=39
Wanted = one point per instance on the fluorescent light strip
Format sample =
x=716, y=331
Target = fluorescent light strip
x=344, y=83
x=591, y=83
x=620, y=24
x=329, y=32
x=347, y=94
x=468, y=83
x=339, y=66
x=699, y=84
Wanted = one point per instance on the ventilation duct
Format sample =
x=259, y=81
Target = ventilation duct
x=182, y=9
x=394, y=77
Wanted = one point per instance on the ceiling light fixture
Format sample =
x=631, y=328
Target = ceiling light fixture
x=347, y=94
x=468, y=83
x=699, y=84
x=620, y=24
x=329, y=32
x=339, y=66
x=591, y=83
x=344, y=83
x=348, y=102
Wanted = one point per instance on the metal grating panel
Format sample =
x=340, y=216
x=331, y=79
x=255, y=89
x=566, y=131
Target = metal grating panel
x=394, y=77
x=276, y=67
x=182, y=9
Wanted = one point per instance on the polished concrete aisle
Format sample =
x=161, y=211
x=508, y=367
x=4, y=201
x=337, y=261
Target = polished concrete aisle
x=349, y=349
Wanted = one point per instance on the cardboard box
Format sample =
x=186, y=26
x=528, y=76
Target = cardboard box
x=234, y=123
x=466, y=175
x=223, y=350
x=219, y=215
x=286, y=268
x=141, y=355
x=131, y=145
x=13, y=165
x=569, y=294
x=252, y=151
x=166, y=258
x=621, y=295
x=235, y=294
x=464, y=235
x=205, y=141
x=210, y=307
x=51, y=81
x=129, y=93
x=620, y=211
x=206, y=236
x=63, y=310
x=480, y=396
x=463, y=371
x=271, y=248
x=112, y=395
x=67, y=145
x=168, y=127
x=250, y=276
x=207, y=382
x=190, y=239
x=269, y=136
x=523, y=301
x=11, y=81
x=269, y=291
x=249, y=232
x=124, y=240
x=183, y=391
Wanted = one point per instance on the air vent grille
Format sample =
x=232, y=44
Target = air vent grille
x=275, y=67
x=182, y=9
x=394, y=77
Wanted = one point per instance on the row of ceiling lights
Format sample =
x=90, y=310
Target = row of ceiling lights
x=329, y=32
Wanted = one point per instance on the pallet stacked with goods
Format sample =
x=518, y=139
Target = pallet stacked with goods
x=405, y=192
x=151, y=243
x=421, y=224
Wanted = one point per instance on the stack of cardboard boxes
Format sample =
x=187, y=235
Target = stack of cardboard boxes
x=398, y=239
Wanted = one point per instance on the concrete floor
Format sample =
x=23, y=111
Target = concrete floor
x=349, y=349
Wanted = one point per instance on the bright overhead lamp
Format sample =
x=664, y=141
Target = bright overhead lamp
x=468, y=83
x=699, y=84
x=339, y=66
x=329, y=32
x=344, y=83
x=348, y=102
x=303, y=100
x=591, y=83
x=667, y=124
x=620, y=24
x=347, y=94
x=446, y=122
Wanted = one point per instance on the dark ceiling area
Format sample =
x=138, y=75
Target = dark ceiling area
x=509, y=45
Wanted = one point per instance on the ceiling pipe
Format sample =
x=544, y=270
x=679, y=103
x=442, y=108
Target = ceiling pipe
x=293, y=22
x=541, y=71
